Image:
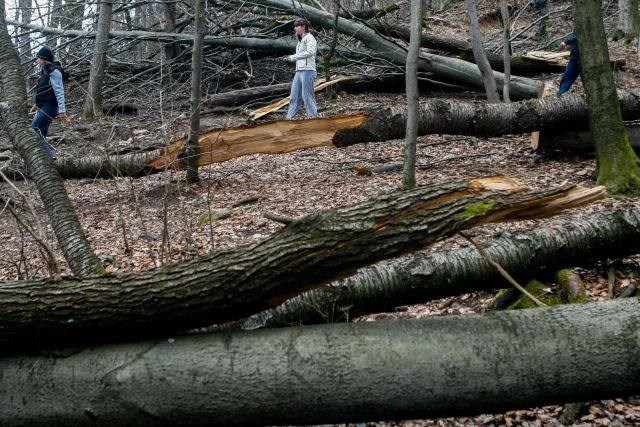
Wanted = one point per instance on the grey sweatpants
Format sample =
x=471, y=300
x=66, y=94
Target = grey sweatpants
x=302, y=92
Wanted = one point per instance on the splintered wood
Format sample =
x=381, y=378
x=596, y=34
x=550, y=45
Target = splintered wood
x=280, y=136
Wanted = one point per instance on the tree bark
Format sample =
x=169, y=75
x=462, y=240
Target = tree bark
x=419, y=368
x=235, y=98
x=506, y=49
x=580, y=140
x=236, y=283
x=372, y=13
x=65, y=224
x=55, y=15
x=618, y=166
x=196, y=79
x=169, y=13
x=417, y=278
x=488, y=80
x=521, y=65
x=25, y=39
x=628, y=20
x=413, y=96
x=451, y=68
x=93, y=101
x=484, y=120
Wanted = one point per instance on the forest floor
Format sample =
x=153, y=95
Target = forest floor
x=136, y=224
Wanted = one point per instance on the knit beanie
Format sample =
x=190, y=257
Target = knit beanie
x=46, y=54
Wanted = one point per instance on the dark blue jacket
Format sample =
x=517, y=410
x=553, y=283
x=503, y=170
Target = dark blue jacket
x=572, y=40
x=44, y=92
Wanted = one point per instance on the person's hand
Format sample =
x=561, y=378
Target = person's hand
x=64, y=117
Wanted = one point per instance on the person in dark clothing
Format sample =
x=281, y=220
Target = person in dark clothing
x=574, y=69
x=50, y=102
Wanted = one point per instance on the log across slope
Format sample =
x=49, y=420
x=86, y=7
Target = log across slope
x=416, y=278
x=352, y=372
x=378, y=124
x=483, y=119
x=233, y=284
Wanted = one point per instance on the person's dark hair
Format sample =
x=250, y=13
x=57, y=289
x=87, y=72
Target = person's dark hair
x=301, y=21
x=46, y=54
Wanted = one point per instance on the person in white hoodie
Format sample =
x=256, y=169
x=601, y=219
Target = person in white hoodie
x=305, y=59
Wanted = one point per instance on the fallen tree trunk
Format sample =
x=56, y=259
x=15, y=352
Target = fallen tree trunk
x=579, y=140
x=233, y=284
x=522, y=65
x=450, y=68
x=436, y=116
x=420, y=368
x=244, y=96
x=417, y=278
x=380, y=83
x=483, y=119
x=372, y=13
x=275, y=46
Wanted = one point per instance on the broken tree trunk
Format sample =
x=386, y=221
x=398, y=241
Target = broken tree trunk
x=393, y=370
x=579, y=140
x=451, y=68
x=232, y=284
x=483, y=119
x=417, y=278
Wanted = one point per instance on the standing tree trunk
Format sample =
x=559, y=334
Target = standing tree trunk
x=169, y=13
x=329, y=92
x=73, y=13
x=618, y=165
x=65, y=224
x=54, y=20
x=628, y=20
x=93, y=101
x=196, y=79
x=413, y=95
x=506, y=49
x=479, y=54
x=25, y=38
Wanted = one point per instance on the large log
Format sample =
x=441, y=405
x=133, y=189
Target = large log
x=380, y=83
x=579, y=140
x=233, y=284
x=454, y=69
x=420, y=368
x=483, y=119
x=520, y=64
x=417, y=278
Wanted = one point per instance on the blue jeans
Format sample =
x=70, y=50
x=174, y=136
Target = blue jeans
x=570, y=74
x=42, y=120
x=302, y=92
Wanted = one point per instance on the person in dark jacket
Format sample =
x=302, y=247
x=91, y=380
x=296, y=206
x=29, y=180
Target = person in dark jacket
x=50, y=102
x=574, y=69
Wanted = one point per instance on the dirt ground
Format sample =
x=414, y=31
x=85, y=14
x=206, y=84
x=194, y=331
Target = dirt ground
x=136, y=224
